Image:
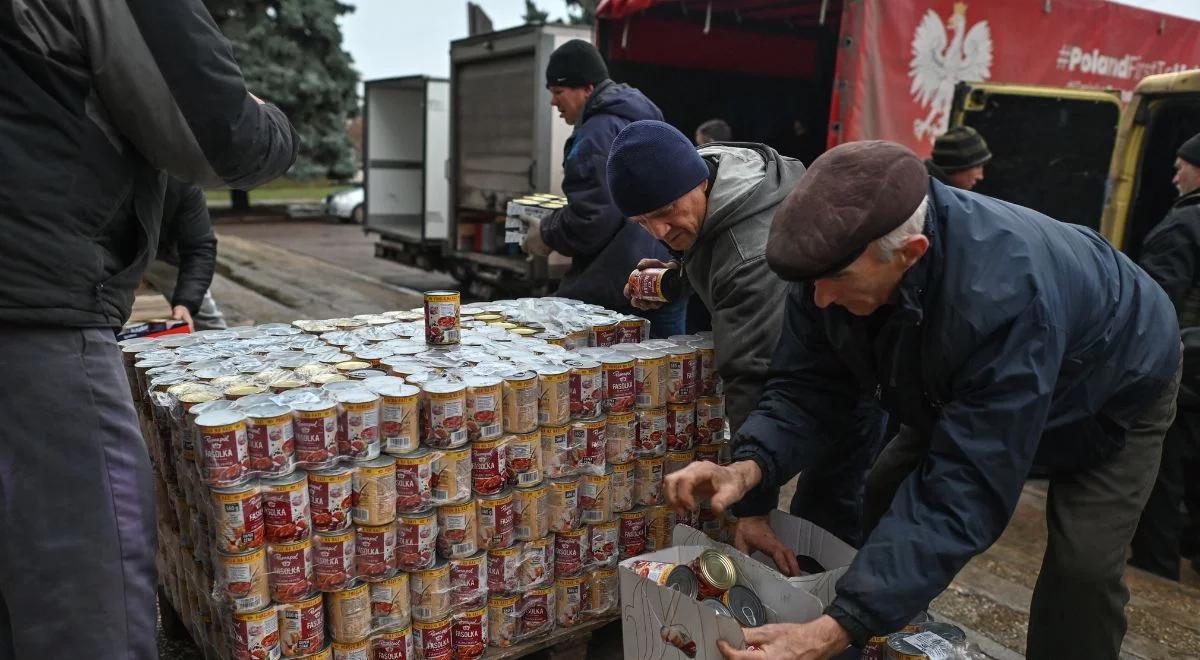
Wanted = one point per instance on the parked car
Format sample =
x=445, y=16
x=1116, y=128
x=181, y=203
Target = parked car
x=346, y=205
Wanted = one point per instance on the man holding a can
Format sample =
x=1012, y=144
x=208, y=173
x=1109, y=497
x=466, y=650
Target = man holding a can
x=1001, y=340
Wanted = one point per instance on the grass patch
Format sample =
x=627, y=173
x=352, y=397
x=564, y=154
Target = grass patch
x=281, y=190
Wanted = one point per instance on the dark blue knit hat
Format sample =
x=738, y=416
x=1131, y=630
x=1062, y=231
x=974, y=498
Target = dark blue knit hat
x=650, y=165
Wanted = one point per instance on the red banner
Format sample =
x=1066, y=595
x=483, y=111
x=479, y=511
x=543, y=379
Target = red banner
x=906, y=56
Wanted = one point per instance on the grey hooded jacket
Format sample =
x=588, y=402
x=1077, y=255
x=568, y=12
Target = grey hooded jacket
x=727, y=266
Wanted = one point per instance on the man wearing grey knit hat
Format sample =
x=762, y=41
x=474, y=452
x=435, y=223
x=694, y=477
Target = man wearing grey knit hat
x=959, y=156
x=1001, y=340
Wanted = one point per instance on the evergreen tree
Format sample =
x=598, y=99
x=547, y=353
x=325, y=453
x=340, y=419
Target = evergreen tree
x=534, y=15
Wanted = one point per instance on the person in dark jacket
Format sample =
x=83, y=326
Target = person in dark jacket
x=713, y=130
x=1000, y=339
x=602, y=244
x=1171, y=255
x=99, y=99
x=959, y=156
x=187, y=256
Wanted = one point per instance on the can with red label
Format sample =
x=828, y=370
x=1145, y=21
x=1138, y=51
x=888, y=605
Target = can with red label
x=595, y=497
x=536, y=610
x=652, y=432
x=710, y=419
x=588, y=436
x=375, y=551
x=416, y=540
x=496, y=520
x=470, y=633
x=414, y=481
x=238, y=523
x=302, y=627
x=469, y=580
x=634, y=330
x=572, y=549
x=433, y=640
x=524, y=462
x=620, y=393
x=559, y=453
x=431, y=592
x=315, y=425
x=256, y=635
x=442, y=317
x=444, y=417
x=681, y=426
x=603, y=539
x=660, y=522
x=648, y=481
x=530, y=509
x=620, y=437
x=333, y=560
x=223, y=448
x=605, y=332
x=400, y=423
x=395, y=643
x=587, y=388
x=358, y=423
x=563, y=504
x=270, y=441
x=503, y=565
x=488, y=470
x=285, y=502
x=623, y=486
x=485, y=405
x=390, y=602
x=682, y=370
x=632, y=533
x=331, y=498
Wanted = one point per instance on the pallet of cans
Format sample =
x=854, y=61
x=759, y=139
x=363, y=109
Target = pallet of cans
x=416, y=484
x=523, y=210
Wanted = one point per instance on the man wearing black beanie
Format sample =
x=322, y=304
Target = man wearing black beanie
x=603, y=245
x=1171, y=254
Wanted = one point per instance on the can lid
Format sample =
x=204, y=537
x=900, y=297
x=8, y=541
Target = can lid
x=265, y=410
x=745, y=606
x=393, y=387
x=717, y=605
x=897, y=644
x=220, y=418
x=717, y=569
x=483, y=381
x=947, y=631
x=683, y=580
x=287, y=479
x=357, y=394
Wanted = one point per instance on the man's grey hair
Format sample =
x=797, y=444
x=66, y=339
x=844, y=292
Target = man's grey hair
x=885, y=247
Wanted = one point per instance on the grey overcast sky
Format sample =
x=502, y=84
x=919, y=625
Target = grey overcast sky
x=404, y=37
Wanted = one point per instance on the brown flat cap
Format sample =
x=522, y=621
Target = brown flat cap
x=853, y=194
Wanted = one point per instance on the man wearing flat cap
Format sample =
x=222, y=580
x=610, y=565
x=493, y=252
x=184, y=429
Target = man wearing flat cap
x=1171, y=254
x=1000, y=339
x=959, y=156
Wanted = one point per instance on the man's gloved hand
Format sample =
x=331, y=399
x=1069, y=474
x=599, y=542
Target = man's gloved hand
x=672, y=289
x=533, y=243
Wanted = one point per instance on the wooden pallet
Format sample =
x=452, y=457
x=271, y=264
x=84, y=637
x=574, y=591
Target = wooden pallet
x=560, y=644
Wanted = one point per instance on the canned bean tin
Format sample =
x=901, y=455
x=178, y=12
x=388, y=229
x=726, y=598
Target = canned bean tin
x=358, y=423
x=595, y=497
x=559, y=453
x=503, y=565
x=718, y=453
x=681, y=426
x=648, y=481
x=224, y=450
x=290, y=571
x=619, y=388
x=603, y=539
x=375, y=491
x=359, y=650
x=745, y=606
x=333, y=560
x=710, y=419
x=302, y=627
x=452, y=476
x=677, y=460
x=587, y=388
x=715, y=573
x=458, y=530
x=605, y=332
x=256, y=635
x=433, y=640
x=530, y=509
x=563, y=504
x=469, y=580
x=536, y=612
x=416, y=540
x=243, y=578
x=634, y=329
x=394, y=643
x=521, y=402
x=650, y=373
x=571, y=551
x=603, y=591
x=489, y=472
x=554, y=395
x=375, y=551
x=682, y=370
x=708, y=381
x=469, y=632
x=445, y=414
x=286, y=507
x=652, y=432
x=623, y=475
x=431, y=592
x=674, y=576
x=485, y=397
x=414, y=481
x=570, y=598
x=588, y=436
x=331, y=498
x=390, y=605
x=620, y=437
x=496, y=520
x=631, y=540
x=502, y=620
x=524, y=464
x=660, y=522
x=441, y=317
x=401, y=425
x=315, y=424
x=239, y=519
x=537, y=563
x=350, y=613
x=270, y=439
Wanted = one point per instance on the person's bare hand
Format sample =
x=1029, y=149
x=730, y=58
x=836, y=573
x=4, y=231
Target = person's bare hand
x=815, y=640
x=755, y=533
x=181, y=313
x=723, y=485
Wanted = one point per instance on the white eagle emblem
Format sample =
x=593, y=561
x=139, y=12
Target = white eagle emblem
x=937, y=66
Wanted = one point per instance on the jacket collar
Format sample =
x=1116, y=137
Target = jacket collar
x=915, y=285
x=1190, y=199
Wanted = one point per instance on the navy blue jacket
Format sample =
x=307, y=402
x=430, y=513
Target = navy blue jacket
x=1015, y=340
x=603, y=245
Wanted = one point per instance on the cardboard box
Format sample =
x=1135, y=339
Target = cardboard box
x=650, y=613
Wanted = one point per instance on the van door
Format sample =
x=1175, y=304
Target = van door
x=1051, y=147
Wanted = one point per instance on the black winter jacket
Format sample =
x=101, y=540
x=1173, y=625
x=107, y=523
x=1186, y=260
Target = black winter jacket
x=100, y=98
x=1015, y=340
x=188, y=243
x=604, y=247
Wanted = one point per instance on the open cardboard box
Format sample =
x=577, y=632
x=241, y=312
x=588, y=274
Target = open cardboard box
x=651, y=613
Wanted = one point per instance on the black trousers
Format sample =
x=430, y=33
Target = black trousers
x=1164, y=528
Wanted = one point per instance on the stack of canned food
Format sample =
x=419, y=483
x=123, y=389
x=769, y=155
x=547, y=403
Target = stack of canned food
x=420, y=483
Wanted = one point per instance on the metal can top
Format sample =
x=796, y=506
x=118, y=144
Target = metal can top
x=947, y=631
x=268, y=410
x=582, y=363
x=441, y=293
x=443, y=386
x=220, y=418
x=285, y=480
x=335, y=471
x=212, y=406
x=377, y=462
x=552, y=370
x=682, y=350
x=483, y=381
x=319, y=405
x=617, y=360
x=683, y=580
x=745, y=606
x=504, y=494
x=717, y=570
x=394, y=389
x=899, y=648
x=357, y=394
x=717, y=605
